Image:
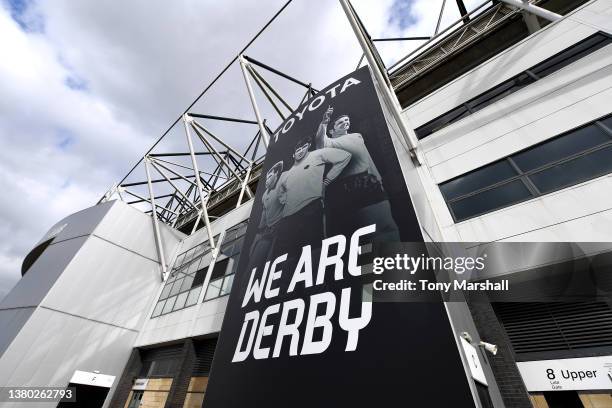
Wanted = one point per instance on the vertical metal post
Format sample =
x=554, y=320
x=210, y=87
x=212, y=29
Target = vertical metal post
x=440, y=17
x=390, y=97
x=245, y=182
x=203, y=202
x=262, y=128
x=197, y=221
x=463, y=11
x=160, y=248
x=211, y=266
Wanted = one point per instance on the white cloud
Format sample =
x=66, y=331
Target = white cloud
x=87, y=86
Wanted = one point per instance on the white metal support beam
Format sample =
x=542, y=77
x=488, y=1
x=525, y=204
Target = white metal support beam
x=160, y=171
x=203, y=200
x=211, y=266
x=245, y=185
x=210, y=146
x=218, y=139
x=160, y=247
x=533, y=9
x=262, y=128
x=383, y=82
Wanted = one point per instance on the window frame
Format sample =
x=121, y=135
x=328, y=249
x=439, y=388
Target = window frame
x=524, y=176
x=534, y=73
x=198, y=254
x=230, y=267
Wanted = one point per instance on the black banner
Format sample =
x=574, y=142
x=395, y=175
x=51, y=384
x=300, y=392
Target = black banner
x=300, y=328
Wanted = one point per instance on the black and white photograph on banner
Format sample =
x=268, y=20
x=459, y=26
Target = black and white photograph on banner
x=300, y=314
x=332, y=185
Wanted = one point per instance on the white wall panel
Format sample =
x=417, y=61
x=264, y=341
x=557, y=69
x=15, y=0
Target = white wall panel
x=580, y=213
x=545, y=109
x=503, y=66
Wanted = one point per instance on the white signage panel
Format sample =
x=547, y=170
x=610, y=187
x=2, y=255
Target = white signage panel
x=87, y=378
x=140, y=384
x=474, y=362
x=590, y=373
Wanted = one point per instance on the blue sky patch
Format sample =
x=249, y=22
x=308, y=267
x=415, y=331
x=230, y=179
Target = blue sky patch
x=401, y=14
x=65, y=139
x=75, y=83
x=28, y=21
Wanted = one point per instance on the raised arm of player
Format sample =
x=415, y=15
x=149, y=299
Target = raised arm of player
x=338, y=159
x=322, y=130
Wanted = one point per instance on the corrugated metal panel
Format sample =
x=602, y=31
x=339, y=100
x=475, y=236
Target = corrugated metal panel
x=205, y=351
x=537, y=327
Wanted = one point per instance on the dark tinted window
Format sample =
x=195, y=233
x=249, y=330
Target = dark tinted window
x=499, y=92
x=570, y=55
x=490, y=200
x=607, y=123
x=559, y=148
x=574, y=171
x=199, y=277
x=219, y=269
x=438, y=123
x=568, y=159
x=478, y=179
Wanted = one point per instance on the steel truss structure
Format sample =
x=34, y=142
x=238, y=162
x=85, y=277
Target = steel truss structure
x=468, y=29
x=190, y=186
x=187, y=196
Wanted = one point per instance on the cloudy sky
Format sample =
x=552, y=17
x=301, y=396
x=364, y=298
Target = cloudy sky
x=87, y=86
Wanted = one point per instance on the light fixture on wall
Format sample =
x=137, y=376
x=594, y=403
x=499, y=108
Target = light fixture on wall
x=491, y=348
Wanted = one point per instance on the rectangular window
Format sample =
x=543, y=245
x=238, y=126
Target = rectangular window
x=178, y=287
x=219, y=269
x=221, y=278
x=165, y=292
x=477, y=179
x=184, y=284
x=193, y=266
x=575, y=170
x=192, y=298
x=169, y=305
x=187, y=283
x=158, y=308
x=199, y=277
x=533, y=74
x=571, y=158
x=227, y=285
x=214, y=287
x=575, y=142
x=491, y=199
x=180, y=301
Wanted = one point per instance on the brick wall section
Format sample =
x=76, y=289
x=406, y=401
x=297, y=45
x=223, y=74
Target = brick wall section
x=503, y=364
x=176, y=397
x=124, y=387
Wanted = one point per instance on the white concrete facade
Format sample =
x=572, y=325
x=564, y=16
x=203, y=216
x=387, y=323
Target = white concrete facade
x=570, y=97
x=83, y=301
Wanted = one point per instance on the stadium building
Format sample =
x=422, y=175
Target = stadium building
x=509, y=140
